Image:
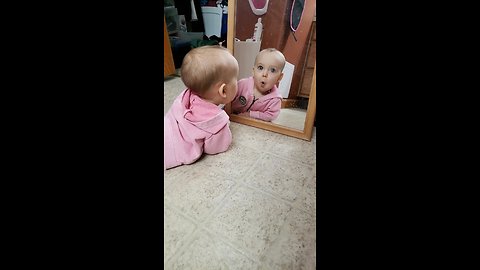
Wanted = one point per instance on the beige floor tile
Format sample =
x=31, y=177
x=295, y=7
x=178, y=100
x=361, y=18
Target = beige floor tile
x=198, y=193
x=297, y=149
x=236, y=162
x=249, y=220
x=172, y=175
x=296, y=246
x=307, y=199
x=175, y=229
x=207, y=251
x=178, y=173
x=284, y=178
x=254, y=137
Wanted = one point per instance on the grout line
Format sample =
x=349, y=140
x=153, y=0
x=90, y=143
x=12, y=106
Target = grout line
x=267, y=193
x=198, y=221
x=221, y=235
x=186, y=243
x=299, y=162
x=182, y=214
x=276, y=196
x=185, y=239
x=219, y=206
x=171, y=180
x=232, y=245
x=254, y=165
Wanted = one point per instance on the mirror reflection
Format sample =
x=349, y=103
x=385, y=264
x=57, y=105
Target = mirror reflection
x=276, y=55
x=258, y=95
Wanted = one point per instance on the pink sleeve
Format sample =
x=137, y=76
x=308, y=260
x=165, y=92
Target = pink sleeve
x=218, y=142
x=271, y=113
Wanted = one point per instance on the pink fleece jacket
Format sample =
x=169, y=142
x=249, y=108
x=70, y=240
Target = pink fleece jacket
x=266, y=108
x=193, y=126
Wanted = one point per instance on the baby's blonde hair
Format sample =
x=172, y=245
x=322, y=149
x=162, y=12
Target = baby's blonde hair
x=279, y=53
x=205, y=66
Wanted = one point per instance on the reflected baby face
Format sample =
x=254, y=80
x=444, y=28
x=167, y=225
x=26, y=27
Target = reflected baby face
x=267, y=71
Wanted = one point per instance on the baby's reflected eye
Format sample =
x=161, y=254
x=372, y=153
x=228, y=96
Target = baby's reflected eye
x=273, y=70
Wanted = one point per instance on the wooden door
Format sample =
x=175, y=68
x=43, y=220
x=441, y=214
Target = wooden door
x=168, y=64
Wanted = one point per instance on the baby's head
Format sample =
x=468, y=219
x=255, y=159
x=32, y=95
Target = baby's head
x=211, y=72
x=267, y=70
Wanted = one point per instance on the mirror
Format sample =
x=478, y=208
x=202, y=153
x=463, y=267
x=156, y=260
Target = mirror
x=249, y=33
x=296, y=14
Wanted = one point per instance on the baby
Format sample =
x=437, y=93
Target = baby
x=196, y=123
x=258, y=96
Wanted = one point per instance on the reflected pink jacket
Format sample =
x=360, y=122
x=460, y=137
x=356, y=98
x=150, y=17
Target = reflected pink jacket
x=266, y=108
x=193, y=126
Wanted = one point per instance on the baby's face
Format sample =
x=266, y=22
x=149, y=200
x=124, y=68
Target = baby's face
x=267, y=72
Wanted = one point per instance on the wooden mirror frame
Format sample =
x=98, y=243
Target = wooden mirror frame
x=306, y=134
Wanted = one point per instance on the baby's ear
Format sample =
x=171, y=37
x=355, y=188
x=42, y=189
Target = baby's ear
x=222, y=91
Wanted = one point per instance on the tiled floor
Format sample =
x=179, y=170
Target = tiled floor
x=251, y=207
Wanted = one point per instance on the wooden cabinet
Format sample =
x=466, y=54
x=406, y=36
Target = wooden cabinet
x=168, y=64
x=306, y=83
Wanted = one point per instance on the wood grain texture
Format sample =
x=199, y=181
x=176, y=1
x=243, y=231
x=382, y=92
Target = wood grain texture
x=168, y=64
x=306, y=81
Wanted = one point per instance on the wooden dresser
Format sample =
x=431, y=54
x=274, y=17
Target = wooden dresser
x=306, y=81
x=168, y=64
